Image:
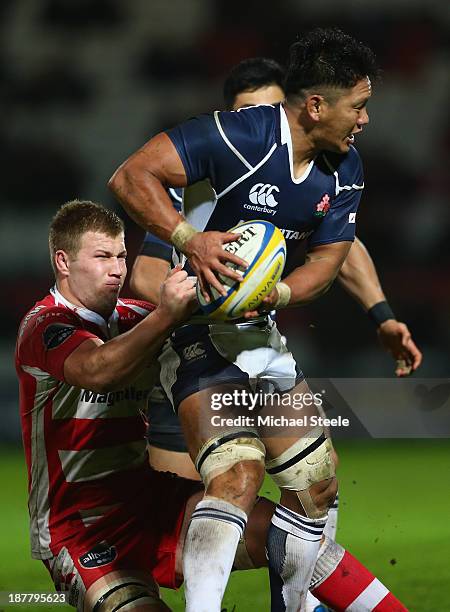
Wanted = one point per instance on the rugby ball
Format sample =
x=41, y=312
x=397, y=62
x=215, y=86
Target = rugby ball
x=263, y=247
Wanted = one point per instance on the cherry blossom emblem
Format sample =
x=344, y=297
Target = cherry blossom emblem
x=323, y=206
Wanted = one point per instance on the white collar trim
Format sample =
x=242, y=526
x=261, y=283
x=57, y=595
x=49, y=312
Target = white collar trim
x=286, y=138
x=85, y=313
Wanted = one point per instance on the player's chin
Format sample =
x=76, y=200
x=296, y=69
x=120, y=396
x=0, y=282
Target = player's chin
x=346, y=144
x=342, y=146
x=109, y=298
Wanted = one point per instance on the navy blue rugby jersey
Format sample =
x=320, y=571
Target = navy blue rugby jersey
x=154, y=246
x=247, y=157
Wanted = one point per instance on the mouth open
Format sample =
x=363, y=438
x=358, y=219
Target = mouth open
x=350, y=139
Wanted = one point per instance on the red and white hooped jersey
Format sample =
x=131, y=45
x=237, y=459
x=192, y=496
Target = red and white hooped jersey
x=85, y=451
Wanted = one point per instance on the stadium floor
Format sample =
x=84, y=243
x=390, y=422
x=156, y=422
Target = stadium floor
x=394, y=516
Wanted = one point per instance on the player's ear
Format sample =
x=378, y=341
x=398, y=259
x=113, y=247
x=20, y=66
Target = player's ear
x=314, y=104
x=62, y=262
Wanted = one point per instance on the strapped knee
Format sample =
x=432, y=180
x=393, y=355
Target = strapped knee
x=220, y=453
x=302, y=465
x=126, y=593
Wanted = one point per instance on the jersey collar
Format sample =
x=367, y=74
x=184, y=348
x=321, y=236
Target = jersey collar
x=286, y=139
x=108, y=327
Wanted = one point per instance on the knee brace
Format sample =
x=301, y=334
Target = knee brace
x=219, y=454
x=126, y=593
x=305, y=463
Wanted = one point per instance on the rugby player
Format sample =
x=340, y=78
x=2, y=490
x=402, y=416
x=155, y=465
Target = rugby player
x=105, y=524
x=258, y=81
x=86, y=364
x=254, y=81
x=304, y=151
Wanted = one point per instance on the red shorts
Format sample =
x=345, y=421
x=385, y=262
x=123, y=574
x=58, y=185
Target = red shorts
x=140, y=535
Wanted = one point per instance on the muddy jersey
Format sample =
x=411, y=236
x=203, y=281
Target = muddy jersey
x=84, y=450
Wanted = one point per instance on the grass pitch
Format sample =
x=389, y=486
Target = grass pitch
x=394, y=516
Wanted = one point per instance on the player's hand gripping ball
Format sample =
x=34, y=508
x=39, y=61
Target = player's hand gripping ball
x=263, y=247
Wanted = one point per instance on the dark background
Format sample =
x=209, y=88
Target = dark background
x=84, y=83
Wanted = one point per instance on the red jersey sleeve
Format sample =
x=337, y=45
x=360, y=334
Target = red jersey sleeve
x=48, y=338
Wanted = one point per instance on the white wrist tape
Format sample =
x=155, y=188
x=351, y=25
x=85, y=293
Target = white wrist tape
x=284, y=295
x=182, y=234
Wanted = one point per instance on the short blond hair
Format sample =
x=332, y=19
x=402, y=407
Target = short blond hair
x=74, y=219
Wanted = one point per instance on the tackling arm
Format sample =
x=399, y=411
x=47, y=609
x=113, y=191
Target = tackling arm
x=101, y=367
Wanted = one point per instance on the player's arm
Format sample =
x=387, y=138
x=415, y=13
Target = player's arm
x=309, y=281
x=147, y=277
x=317, y=274
x=140, y=184
x=150, y=268
x=359, y=278
x=101, y=367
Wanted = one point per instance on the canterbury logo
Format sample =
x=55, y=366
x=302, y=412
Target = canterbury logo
x=193, y=351
x=262, y=194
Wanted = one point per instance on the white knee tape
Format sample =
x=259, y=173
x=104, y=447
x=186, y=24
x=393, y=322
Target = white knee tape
x=303, y=464
x=219, y=454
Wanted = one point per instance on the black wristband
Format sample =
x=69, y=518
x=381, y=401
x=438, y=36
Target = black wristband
x=380, y=313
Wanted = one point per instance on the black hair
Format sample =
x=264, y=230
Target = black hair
x=251, y=74
x=328, y=57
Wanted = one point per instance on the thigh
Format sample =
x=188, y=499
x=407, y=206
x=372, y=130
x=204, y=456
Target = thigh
x=190, y=362
x=214, y=412
x=139, y=537
x=287, y=417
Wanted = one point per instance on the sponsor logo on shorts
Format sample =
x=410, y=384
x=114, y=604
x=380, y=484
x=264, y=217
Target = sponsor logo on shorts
x=57, y=333
x=262, y=198
x=352, y=217
x=193, y=351
x=102, y=554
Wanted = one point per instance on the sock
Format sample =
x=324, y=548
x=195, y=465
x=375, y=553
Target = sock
x=329, y=531
x=331, y=526
x=311, y=602
x=209, y=549
x=343, y=583
x=293, y=542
